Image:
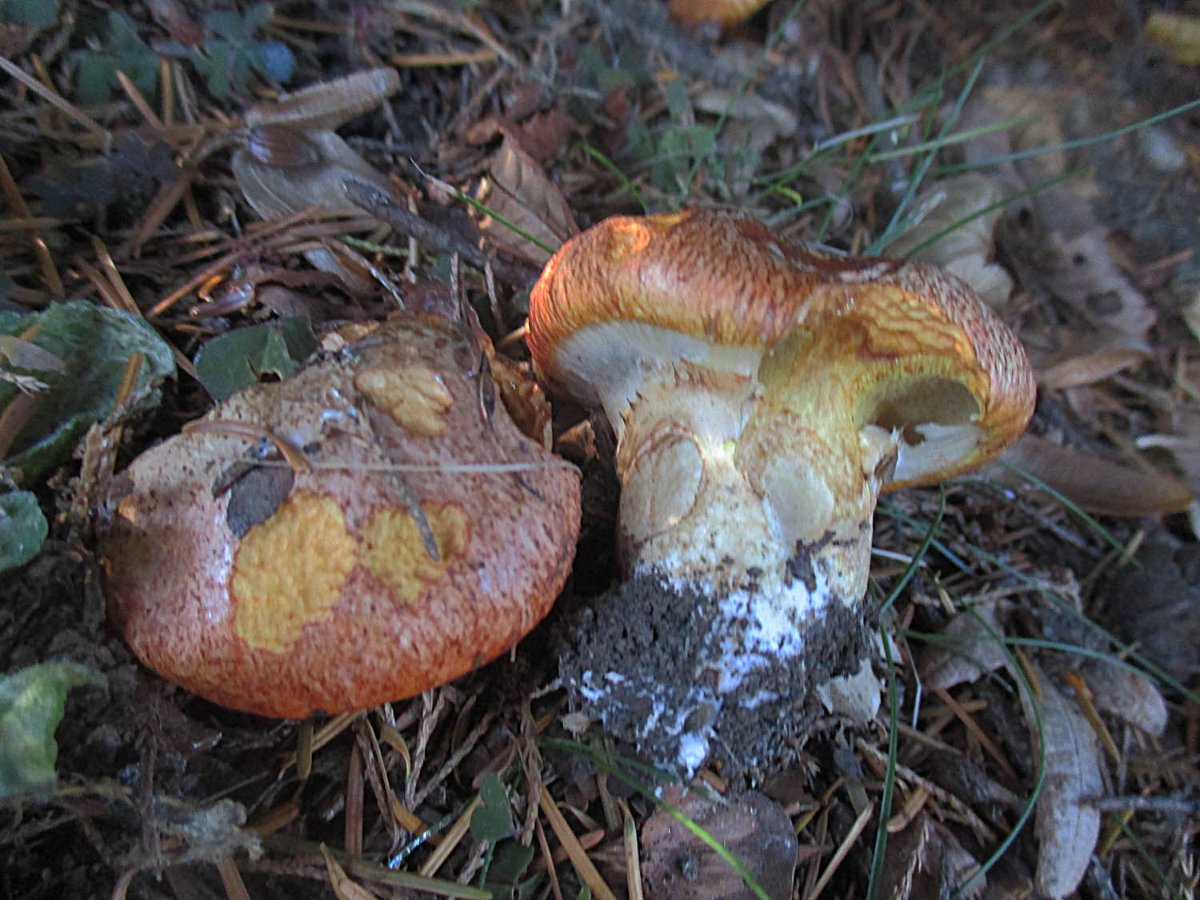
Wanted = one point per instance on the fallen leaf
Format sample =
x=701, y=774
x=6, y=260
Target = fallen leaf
x=276, y=192
x=1177, y=34
x=773, y=120
x=925, y=861
x=545, y=135
x=1073, y=257
x=94, y=344
x=344, y=887
x=752, y=827
x=23, y=528
x=951, y=230
x=531, y=216
x=237, y=359
x=1091, y=483
x=31, y=706
x=1130, y=696
x=325, y=106
x=1089, y=357
x=1067, y=826
x=969, y=647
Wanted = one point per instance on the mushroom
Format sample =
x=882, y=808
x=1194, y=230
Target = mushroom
x=762, y=395
x=370, y=528
x=723, y=12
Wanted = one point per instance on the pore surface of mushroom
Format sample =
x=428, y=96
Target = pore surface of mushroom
x=762, y=395
x=370, y=528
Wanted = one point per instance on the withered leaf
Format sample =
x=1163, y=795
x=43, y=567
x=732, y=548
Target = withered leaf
x=518, y=192
x=950, y=215
x=1067, y=825
x=1128, y=695
x=971, y=647
x=1091, y=483
x=1089, y=358
x=754, y=828
x=325, y=106
x=925, y=861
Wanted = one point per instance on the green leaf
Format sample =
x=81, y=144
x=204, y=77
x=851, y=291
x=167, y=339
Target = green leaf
x=238, y=359
x=493, y=820
x=22, y=529
x=31, y=706
x=511, y=861
x=33, y=13
x=95, y=345
x=124, y=51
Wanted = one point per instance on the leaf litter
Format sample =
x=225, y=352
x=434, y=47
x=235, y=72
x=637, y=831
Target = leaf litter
x=478, y=788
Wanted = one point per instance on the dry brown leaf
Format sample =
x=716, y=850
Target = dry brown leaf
x=279, y=192
x=1091, y=483
x=925, y=861
x=965, y=250
x=677, y=865
x=1089, y=357
x=276, y=193
x=1087, y=272
x=1066, y=824
x=325, y=106
x=969, y=648
x=774, y=117
x=1076, y=262
x=1128, y=695
x=344, y=887
x=518, y=192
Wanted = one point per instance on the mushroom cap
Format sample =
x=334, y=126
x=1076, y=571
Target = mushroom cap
x=920, y=352
x=417, y=534
x=724, y=12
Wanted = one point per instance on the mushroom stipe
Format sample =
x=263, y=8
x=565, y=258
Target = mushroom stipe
x=357, y=534
x=762, y=395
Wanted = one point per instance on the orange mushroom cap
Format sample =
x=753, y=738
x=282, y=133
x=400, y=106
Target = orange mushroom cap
x=409, y=534
x=910, y=331
x=724, y=12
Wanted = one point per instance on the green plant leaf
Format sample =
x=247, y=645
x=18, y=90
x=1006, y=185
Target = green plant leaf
x=504, y=877
x=33, y=13
x=493, y=820
x=22, y=529
x=238, y=359
x=31, y=706
x=125, y=51
x=233, y=52
x=95, y=344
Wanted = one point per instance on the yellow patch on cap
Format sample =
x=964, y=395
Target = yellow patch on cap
x=394, y=552
x=414, y=396
x=290, y=571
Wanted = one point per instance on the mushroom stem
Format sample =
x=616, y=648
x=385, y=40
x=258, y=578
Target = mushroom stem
x=756, y=492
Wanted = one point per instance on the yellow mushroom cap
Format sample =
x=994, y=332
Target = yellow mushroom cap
x=917, y=349
x=409, y=534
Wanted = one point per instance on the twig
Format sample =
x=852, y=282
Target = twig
x=439, y=240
